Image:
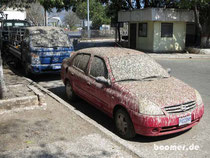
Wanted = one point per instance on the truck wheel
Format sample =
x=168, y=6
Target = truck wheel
x=71, y=96
x=123, y=124
x=27, y=72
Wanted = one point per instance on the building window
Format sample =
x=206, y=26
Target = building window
x=166, y=29
x=142, y=29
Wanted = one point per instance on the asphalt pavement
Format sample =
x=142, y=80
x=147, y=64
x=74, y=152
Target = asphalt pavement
x=191, y=143
x=196, y=73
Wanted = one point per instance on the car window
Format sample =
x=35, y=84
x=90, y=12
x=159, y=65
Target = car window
x=81, y=61
x=8, y=24
x=98, y=68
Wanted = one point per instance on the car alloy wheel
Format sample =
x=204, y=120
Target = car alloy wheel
x=69, y=92
x=124, y=124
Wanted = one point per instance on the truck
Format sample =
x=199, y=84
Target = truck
x=40, y=49
x=8, y=26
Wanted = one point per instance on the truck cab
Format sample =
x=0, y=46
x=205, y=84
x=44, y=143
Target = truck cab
x=43, y=49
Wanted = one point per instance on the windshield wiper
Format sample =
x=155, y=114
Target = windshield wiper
x=129, y=80
x=151, y=77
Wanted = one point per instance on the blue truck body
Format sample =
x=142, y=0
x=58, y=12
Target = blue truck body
x=40, y=49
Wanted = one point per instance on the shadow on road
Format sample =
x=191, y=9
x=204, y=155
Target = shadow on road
x=46, y=77
x=103, y=119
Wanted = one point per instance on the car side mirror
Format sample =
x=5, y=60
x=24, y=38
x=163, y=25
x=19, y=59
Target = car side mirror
x=103, y=80
x=168, y=70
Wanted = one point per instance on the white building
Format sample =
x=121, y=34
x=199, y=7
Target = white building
x=15, y=14
x=54, y=21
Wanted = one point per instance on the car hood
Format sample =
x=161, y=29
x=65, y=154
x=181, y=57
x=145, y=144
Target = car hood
x=163, y=92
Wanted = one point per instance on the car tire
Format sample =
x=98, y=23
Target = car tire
x=71, y=96
x=27, y=72
x=123, y=124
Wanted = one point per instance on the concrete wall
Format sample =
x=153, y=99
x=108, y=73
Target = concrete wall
x=146, y=43
x=155, y=43
x=170, y=44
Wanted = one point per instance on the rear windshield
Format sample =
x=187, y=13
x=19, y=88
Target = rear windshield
x=49, y=38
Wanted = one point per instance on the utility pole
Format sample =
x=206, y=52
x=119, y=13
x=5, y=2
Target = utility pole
x=88, y=18
x=45, y=18
x=3, y=89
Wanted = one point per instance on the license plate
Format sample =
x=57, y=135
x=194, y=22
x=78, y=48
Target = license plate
x=184, y=120
x=57, y=67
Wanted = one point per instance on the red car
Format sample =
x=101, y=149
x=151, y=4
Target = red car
x=132, y=88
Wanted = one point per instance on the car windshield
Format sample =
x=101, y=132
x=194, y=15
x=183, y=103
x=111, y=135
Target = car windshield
x=49, y=38
x=136, y=67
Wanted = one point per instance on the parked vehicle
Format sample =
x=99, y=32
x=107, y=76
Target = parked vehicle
x=40, y=49
x=7, y=26
x=132, y=88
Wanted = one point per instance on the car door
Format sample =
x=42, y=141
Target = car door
x=100, y=91
x=78, y=74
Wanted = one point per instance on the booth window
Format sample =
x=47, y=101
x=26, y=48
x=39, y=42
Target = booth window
x=166, y=29
x=142, y=29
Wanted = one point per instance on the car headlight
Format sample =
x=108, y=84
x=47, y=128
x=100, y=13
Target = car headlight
x=35, y=60
x=149, y=108
x=198, y=98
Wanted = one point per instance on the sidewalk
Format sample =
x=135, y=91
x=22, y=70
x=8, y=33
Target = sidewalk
x=21, y=95
x=54, y=131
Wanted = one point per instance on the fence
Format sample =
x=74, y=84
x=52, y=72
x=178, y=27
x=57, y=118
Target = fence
x=98, y=34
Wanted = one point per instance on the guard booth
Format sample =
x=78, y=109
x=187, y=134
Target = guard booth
x=157, y=29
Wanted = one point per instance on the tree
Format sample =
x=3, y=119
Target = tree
x=201, y=14
x=201, y=10
x=112, y=11
x=58, y=4
x=15, y=4
x=71, y=19
x=97, y=13
x=35, y=14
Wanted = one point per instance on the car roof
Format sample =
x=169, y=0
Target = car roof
x=110, y=51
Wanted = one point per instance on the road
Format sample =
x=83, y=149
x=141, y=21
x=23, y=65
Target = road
x=196, y=73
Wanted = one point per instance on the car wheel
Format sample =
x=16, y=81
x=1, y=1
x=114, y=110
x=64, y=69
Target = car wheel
x=69, y=92
x=123, y=124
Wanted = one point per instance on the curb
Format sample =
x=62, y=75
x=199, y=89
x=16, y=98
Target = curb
x=198, y=50
x=36, y=99
x=41, y=97
x=18, y=103
x=89, y=120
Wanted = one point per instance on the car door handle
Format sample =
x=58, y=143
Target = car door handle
x=88, y=83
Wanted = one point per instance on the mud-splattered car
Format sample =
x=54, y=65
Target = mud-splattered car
x=133, y=89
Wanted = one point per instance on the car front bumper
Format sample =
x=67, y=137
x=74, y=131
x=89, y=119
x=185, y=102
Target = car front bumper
x=162, y=125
